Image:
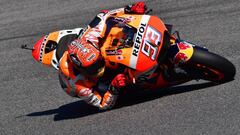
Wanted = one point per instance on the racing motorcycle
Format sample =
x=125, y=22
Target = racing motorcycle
x=155, y=57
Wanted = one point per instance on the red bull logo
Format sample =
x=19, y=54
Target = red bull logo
x=180, y=58
x=183, y=46
x=184, y=54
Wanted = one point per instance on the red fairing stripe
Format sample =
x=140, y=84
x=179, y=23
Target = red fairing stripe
x=38, y=49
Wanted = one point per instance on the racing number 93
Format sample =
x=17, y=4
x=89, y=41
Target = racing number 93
x=151, y=43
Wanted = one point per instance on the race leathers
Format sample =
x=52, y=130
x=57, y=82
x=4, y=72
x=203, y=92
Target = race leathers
x=78, y=85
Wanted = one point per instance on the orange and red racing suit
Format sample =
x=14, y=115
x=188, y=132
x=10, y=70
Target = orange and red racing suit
x=78, y=85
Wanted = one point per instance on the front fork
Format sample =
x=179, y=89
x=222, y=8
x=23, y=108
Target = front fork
x=179, y=54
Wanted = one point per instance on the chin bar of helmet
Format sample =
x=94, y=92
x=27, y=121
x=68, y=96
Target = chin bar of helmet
x=26, y=47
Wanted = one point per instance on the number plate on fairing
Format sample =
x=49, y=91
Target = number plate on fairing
x=152, y=30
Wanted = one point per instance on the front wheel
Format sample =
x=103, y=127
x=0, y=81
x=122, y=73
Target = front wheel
x=209, y=66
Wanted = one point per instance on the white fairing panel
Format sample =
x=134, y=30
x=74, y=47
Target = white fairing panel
x=62, y=33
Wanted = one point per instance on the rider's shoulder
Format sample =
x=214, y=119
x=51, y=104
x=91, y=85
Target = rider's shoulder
x=64, y=66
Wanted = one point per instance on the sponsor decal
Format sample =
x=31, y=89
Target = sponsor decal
x=180, y=58
x=183, y=46
x=113, y=52
x=185, y=52
x=127, y=19
x=138, y=41
x=85, y=92
x=91, y=57
x=77, y=44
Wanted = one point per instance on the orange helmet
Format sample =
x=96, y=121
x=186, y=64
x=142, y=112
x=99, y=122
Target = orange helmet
x=86, y=57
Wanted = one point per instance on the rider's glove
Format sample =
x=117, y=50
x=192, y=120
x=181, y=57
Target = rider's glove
x=137, y=8
x=117, y=83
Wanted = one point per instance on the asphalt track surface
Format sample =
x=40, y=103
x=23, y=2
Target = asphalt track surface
x=32, y=102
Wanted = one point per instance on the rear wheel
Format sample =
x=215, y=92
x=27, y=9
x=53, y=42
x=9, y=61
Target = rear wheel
x=209, y=66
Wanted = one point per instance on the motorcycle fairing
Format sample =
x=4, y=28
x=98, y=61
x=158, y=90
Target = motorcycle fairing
x=42, y=51
x=148, y=41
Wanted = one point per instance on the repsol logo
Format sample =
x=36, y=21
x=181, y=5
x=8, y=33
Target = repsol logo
x=138, y=40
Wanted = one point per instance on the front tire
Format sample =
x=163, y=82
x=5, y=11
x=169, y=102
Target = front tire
x=210, y=66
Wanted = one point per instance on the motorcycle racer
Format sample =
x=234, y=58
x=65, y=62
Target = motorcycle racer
x=82, y=68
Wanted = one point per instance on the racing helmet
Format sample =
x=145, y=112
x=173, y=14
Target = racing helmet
x=86, y=58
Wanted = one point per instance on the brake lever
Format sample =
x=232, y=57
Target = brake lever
x=148, y=11
x=24, y=46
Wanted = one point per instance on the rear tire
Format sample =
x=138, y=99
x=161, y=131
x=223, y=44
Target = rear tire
x=210, y=66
